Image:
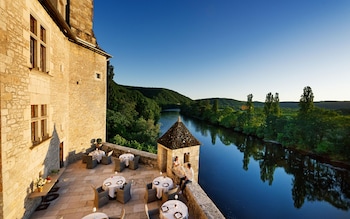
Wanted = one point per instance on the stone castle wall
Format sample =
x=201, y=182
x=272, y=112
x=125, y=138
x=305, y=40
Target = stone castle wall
x=81, y=20
x=87, y=103
x=76, y=111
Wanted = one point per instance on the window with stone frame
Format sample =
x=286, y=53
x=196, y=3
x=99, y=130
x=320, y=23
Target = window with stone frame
x=38, y=45
x=39, y=130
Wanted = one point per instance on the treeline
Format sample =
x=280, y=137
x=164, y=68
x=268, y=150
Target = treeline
x=132, y=118
x=165, y=98
x=310, y=128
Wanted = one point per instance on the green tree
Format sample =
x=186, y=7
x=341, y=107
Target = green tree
x=216, y=106
x=250, y=104
x=276, y=109
x=132, y=118
x=272, y=112
x=268, y=103
x=306, y=102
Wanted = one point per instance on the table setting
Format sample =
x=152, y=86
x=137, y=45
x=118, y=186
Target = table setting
x=173, y=209
x=126, y=158
x=97, y=154
x=112, y=184
x=162, y=184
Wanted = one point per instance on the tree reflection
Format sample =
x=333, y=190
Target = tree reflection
x=312, y=179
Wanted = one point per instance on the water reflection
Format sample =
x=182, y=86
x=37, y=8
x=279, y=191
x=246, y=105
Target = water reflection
x=273, y=181
x=312, y=180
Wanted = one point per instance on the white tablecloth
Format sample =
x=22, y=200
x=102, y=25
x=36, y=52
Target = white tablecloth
x=173, y=209
x=126, y=158
x=112, y=183
x=162, y=184
x=97, y=154
x=96, y=215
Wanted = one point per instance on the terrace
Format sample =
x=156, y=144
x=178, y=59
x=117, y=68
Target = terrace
x=76, y=195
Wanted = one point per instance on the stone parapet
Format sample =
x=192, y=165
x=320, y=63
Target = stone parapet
x=201, y=205
x=145, y=157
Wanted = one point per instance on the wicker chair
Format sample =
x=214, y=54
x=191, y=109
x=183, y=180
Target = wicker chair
x=134, y=164
x=86, y=154
x=152, y=214
x=90, y=163
x=150, y=194
x=101, y=197
x=169, y=195
x=119, y=165
x=124, y=194
x=107, y=159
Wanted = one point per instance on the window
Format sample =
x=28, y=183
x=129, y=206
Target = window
x=98, y=75
x=38, y=45
x=39, y=130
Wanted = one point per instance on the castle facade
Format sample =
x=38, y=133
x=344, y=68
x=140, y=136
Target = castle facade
x=53, y=94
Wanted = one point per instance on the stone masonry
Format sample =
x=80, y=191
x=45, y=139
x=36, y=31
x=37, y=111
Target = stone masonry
x=72, y=86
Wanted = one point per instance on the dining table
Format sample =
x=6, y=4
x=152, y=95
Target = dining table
x=97, y=154
x=162, y=184
x=112, y=184
x=126, y=158
x=173, y=209
x=96, y=215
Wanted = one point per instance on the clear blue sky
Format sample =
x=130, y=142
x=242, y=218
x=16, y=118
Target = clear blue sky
x=229, y=48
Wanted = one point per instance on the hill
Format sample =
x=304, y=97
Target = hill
x=164, y=97
x=226, y=102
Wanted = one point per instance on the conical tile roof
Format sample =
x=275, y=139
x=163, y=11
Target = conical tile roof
x=178, y=136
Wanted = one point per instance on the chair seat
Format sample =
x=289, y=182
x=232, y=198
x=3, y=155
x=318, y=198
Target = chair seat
x=106, y=160
x=90, y=162
x=118, y=165
x=169, y=195
x=134, y=164
x=150, y=194
x=124, y=195
x=152, y=213
x=101, y=197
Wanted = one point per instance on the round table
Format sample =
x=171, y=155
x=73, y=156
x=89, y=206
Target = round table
x=126, y=158
x=112, y=184
x=162, y=184
x=173, y=209
x=96, y=215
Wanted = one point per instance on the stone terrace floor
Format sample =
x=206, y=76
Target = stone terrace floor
x=76, y=195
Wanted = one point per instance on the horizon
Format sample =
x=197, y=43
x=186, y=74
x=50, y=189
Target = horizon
x=229, y=49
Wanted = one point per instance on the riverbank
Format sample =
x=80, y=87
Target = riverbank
x=322, y=158
x=335, y=160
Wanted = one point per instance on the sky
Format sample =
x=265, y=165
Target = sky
x=229, y=48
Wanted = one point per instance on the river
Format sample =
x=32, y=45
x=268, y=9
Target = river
x=248, y=179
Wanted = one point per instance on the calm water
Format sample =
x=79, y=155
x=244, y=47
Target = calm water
x=247, y=179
